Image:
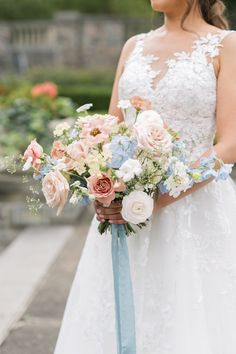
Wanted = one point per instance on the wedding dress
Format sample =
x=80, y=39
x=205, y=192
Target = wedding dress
x=183, y=264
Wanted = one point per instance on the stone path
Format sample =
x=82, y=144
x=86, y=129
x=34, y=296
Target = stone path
x=36, y=331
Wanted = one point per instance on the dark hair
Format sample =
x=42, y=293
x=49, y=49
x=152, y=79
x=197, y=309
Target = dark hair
x=212, y=12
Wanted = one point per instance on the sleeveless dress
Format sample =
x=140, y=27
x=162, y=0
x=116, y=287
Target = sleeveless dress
x=183, y=264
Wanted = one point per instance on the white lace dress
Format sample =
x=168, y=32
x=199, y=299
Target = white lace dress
x=183, y=264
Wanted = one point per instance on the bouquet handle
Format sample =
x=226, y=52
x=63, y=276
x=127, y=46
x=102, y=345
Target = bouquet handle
x=124, y=302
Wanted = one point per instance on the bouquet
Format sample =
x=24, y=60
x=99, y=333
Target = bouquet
x=100, y=158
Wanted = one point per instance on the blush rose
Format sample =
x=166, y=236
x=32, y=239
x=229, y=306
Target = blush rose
x=102, y=188
x=55, y=188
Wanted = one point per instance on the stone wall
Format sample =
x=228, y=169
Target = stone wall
x=69, y=39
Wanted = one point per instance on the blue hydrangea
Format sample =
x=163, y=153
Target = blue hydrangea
x=122, y=148
x=85, y=201
x=224, y=172
x=162, y=188
x=42, y=172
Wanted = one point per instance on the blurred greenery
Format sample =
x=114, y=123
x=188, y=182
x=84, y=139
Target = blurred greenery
x=80, y=85
x=28, y=9
x=24, y=117
x=68, y=76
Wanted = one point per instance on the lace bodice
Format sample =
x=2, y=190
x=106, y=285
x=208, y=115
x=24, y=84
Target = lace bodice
x=185, y=95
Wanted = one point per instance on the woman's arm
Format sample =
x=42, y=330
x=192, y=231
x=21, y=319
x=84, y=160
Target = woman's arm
x=225, y=116
x=113, y=212
x=127, y=49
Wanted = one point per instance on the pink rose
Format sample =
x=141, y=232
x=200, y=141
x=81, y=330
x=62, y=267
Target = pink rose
x=55, y=188
x=46, y=88
x=32, y=155
x=77, y=150
x=58, y=150
x=102, y=187
x=120, y=186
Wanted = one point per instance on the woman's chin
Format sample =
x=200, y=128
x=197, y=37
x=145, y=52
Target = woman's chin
x=164, y=5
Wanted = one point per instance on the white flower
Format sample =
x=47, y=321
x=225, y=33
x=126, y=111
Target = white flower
x=179, y=181
x=137, y=207
x=75, y=198
x=107, y=153
x=76, y=184
x=84, y=108
x=27, y=164
x=129, y=169
x=130, y=116
x=61, y=128
x=124, y=104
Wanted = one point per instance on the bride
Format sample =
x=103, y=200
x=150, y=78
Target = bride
x=183, y=264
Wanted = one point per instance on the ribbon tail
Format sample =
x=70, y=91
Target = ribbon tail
x=124, y=302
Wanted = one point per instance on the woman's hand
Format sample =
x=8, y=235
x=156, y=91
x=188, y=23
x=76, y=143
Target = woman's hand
x=111, y=213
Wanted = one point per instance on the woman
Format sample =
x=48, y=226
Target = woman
x=183, y=264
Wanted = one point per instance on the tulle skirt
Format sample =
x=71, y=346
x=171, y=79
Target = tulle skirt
x=183, y=267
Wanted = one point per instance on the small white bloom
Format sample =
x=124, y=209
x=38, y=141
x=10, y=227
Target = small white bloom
x=76, y=184
x=129, y=169
x=60, y=166
x=27, y=164
x=179, y=181
x=139, y=187
x=124, y=104
x=61, y=128
x=75, y=198
x=130, y=116
x=107, y=153
x=84, y=108
x=137, y=207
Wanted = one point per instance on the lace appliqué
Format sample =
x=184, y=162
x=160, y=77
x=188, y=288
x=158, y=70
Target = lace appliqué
x=185, y=96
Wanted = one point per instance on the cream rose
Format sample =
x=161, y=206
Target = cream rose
x=55, y=188
x=137, y=207
x=148, y=117
x=151, y=135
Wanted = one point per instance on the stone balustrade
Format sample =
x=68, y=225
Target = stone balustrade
x=69, y=39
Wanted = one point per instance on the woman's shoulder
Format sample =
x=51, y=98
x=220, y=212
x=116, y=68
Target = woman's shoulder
x=228, y=43
x=139, y=36
x=229, y=38
x=228, y=50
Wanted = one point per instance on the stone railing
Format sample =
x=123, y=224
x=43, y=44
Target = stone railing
x=15, y=213
x=69, y=39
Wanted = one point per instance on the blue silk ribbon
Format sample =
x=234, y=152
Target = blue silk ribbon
x=124, y=302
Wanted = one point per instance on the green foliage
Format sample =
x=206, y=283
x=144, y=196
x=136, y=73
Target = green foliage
x=37, y=9
x=24, y=117
x=94, y=6
x=28, y=9
x=81, y=86
x=66, y=76
x=25, y=9
x=98, y=95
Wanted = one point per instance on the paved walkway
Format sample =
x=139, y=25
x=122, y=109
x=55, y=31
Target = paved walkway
x=36, y=331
